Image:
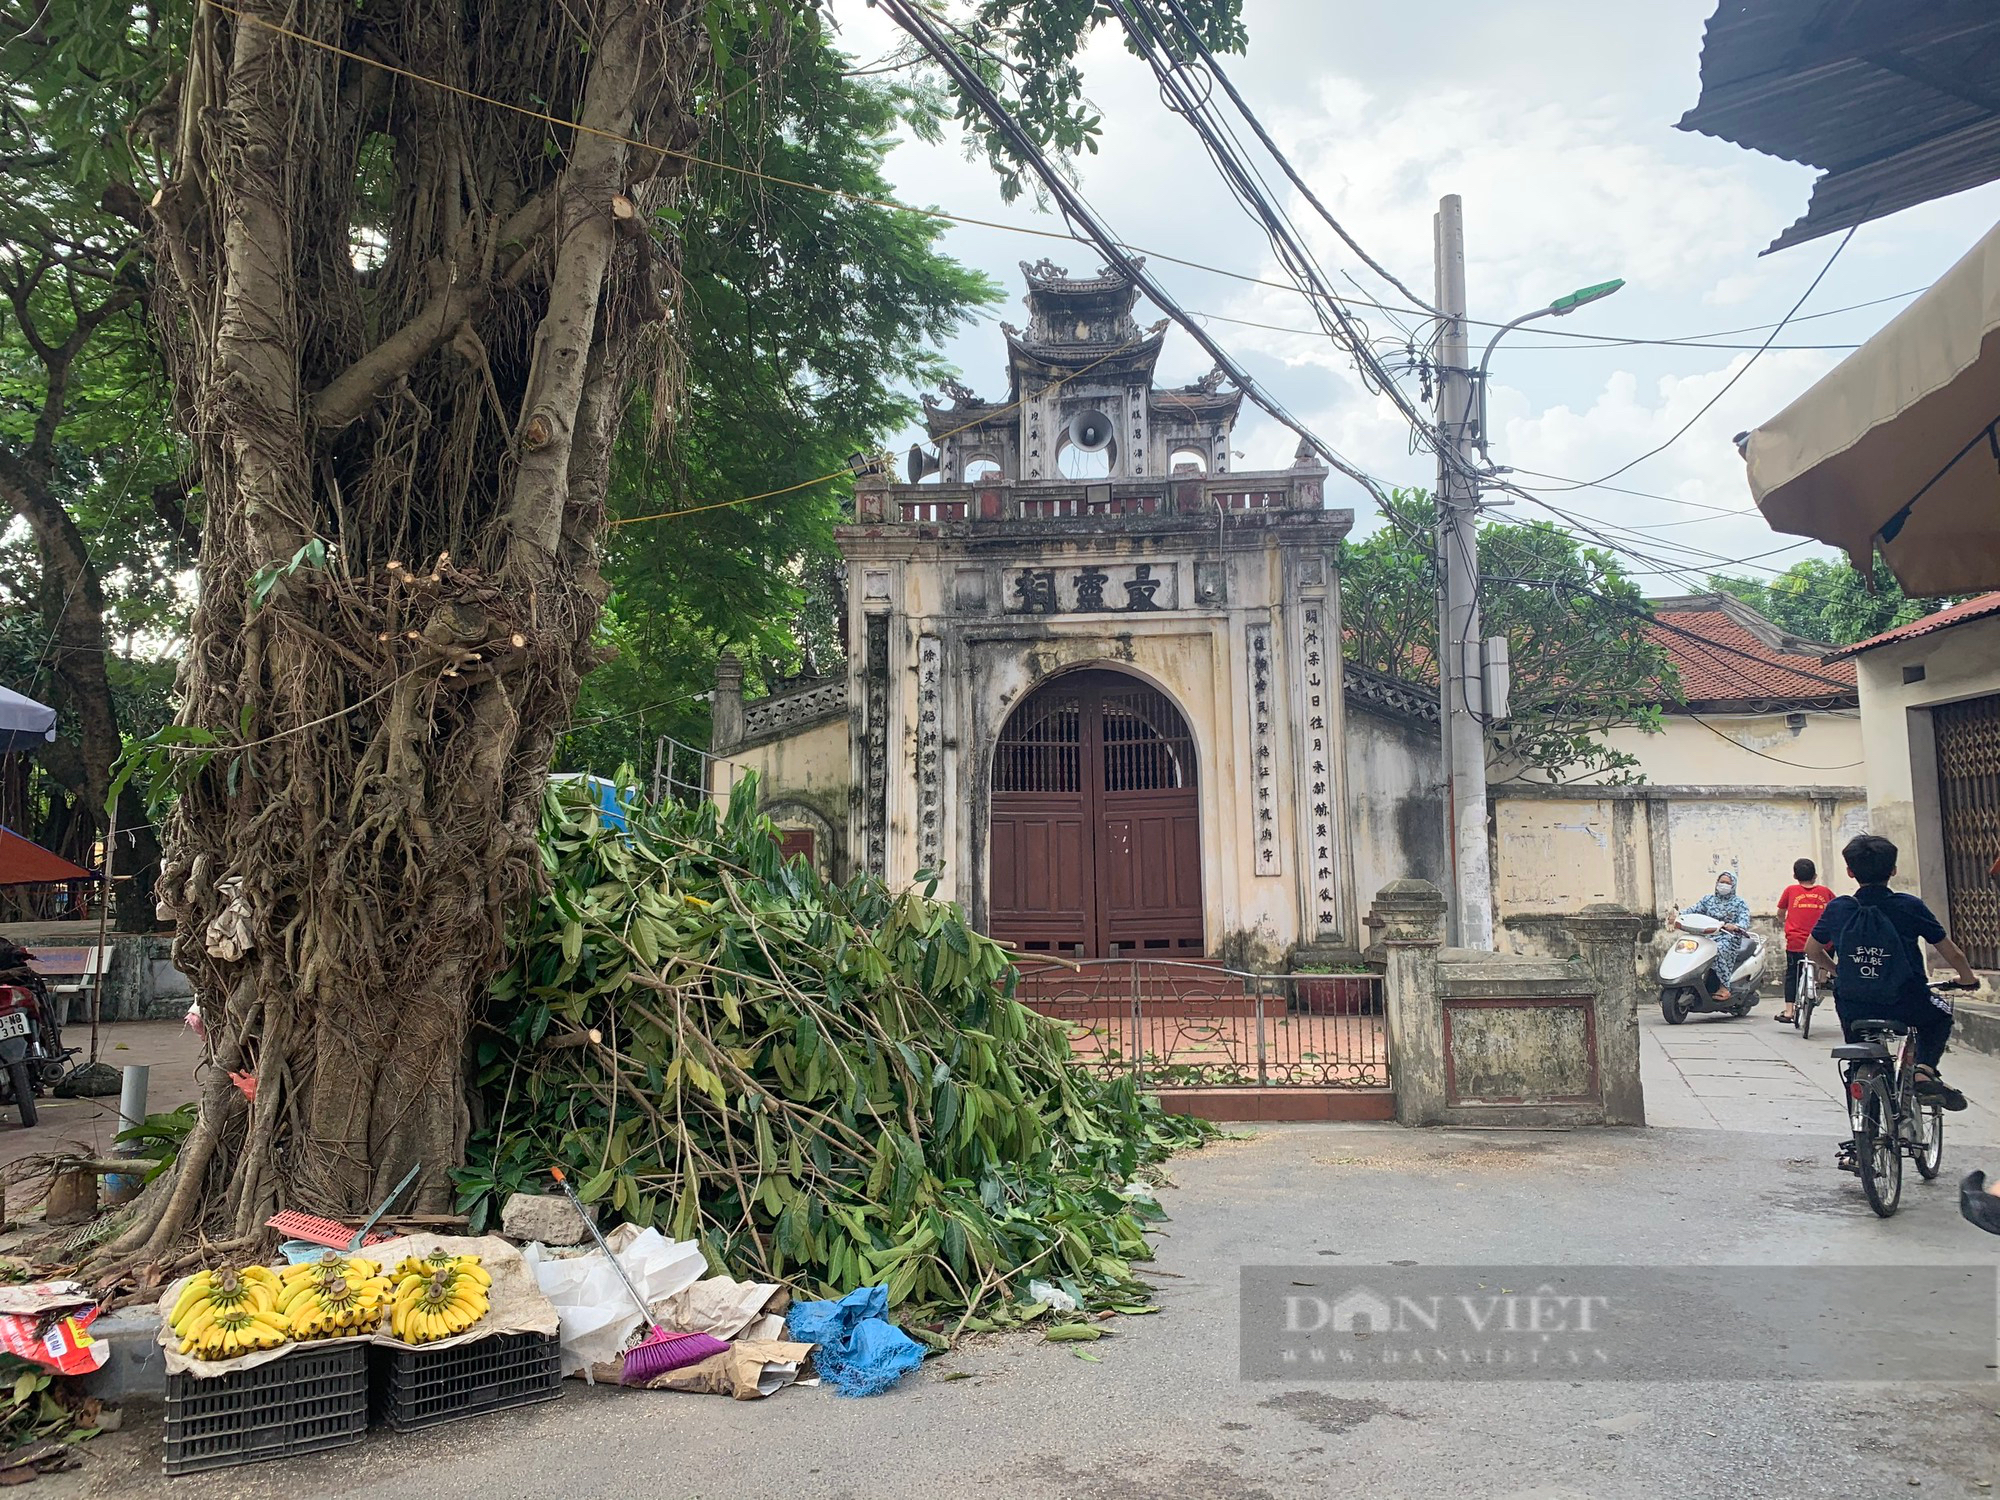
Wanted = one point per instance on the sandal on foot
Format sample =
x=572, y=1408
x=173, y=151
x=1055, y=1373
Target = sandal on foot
x=1785, y=1020
x=1934, y=1090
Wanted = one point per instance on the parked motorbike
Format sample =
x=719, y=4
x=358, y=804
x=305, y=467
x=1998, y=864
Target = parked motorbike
x=32, y=1055
x=1683, y=970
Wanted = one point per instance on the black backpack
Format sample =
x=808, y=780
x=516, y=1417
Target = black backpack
x=1871, y=964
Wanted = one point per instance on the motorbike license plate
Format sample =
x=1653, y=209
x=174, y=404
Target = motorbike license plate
x=1686, y=945
x=14, y=1025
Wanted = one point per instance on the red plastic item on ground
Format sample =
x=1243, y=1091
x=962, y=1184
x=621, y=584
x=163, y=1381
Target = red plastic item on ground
x=317, y=1231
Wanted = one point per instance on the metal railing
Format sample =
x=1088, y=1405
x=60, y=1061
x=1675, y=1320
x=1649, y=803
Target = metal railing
x=1176, y=1024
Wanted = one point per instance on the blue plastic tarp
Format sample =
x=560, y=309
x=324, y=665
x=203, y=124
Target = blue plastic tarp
x=859, y=1352
x=610, y=800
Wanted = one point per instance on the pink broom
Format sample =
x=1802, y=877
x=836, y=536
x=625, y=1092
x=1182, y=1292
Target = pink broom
x=660, y=1350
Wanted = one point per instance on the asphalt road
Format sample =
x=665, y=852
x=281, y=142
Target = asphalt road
x=1162, y=1413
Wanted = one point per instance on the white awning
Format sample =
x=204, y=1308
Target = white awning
x=1898, y=447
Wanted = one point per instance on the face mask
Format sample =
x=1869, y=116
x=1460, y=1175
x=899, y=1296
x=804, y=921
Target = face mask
x=1725, y=887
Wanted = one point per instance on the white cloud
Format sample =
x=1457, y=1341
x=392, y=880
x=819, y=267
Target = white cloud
x=1553, y=119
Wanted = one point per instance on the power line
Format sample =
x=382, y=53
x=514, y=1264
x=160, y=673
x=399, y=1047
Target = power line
x=1651, y=617
x=986, y=415
x=918, y=23
x=1727, y=385
x=1621, y=343
x=1193, y=38
x=865, y=200
x=1752, y=749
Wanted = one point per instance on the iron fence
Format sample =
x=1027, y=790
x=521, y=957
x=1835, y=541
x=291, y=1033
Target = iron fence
x=1176, y=1024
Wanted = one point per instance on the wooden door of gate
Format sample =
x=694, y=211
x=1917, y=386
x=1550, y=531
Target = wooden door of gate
x=1968, y=766
x=1096, y=828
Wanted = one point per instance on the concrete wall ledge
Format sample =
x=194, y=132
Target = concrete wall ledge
x=1646, y=791
x=1978, y=1025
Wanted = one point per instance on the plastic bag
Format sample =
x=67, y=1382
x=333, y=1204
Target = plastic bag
x=860, y=1353
x=1057, y=1299
x=597, y=1313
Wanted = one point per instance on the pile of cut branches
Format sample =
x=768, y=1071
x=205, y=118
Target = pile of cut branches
x=827, y=1085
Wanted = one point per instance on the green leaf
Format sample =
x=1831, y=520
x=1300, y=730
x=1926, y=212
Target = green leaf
x=1070, y=1333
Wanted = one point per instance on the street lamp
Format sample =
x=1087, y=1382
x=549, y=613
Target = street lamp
x=1562, y=307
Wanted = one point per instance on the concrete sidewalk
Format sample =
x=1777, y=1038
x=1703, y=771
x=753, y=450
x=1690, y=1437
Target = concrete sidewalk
x=1721, y=1073
x=89, y=1126
x=1160, y=1412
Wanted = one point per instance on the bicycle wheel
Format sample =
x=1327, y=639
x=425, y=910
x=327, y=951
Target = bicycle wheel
x=1806, y=1008
x=1929, y=1153
x=1875, y=1150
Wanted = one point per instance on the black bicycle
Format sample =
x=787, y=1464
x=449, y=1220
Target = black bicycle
x=1888, y=1120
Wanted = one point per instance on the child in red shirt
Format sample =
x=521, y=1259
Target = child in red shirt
x=1800, y=906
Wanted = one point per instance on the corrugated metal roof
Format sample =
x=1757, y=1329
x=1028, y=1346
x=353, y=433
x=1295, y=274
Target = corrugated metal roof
x=1899, y=103
x=1944, y=619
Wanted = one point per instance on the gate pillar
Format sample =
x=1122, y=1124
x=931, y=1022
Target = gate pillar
x=1407, y=921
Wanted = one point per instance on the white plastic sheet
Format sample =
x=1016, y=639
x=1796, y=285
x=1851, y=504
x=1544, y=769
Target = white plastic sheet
x=598, y=1317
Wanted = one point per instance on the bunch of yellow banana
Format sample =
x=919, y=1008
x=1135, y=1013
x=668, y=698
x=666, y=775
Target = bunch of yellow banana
x=221, y=1314
x=438, y=1296
x=334, y=1295
x=442, y=1259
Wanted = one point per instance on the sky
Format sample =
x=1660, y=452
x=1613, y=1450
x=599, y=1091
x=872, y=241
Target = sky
x=1553, y=120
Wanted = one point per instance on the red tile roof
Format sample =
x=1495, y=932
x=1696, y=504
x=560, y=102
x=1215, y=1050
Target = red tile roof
x=1727, y=653
x=1944, y=619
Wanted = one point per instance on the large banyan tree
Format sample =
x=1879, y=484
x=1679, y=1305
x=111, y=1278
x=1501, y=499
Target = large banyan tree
x=401, y=308
x=411, y=260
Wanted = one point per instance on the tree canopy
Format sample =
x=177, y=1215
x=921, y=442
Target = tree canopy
x=91, y=601
x=1830, y=601
x=1574, y=622
x=808, y=320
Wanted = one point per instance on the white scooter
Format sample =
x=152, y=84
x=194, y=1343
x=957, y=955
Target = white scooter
x=1683, y=986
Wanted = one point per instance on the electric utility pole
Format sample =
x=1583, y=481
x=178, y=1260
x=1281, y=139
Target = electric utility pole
x=1461, y=719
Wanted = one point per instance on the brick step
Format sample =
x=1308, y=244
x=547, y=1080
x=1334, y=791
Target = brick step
x=1281, y=1104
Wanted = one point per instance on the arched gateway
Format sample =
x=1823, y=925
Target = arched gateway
x=1033, y=659
x=1096, y=822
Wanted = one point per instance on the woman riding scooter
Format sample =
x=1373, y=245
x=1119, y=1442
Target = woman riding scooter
x=1733, y=913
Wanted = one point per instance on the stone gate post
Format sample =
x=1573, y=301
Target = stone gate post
x=1607, y=941
x=1407, y=920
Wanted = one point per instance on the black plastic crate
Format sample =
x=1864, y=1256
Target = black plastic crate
x=412, y=1388
x=300, y=1402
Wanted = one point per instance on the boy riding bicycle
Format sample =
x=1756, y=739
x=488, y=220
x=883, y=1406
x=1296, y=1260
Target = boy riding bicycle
x=1870, y=941
x=1800, y=905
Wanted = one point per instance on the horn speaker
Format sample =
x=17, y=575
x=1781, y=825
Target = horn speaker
x=1090, y=431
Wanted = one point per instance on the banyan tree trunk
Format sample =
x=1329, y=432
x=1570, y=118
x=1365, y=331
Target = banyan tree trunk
x=402, y=311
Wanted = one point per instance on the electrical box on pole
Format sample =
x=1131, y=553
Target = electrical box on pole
x=1496, y=677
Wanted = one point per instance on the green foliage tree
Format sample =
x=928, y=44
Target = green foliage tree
x=86, y=459
x=806, y=321
x=1575, y=626
x=1830, y=601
